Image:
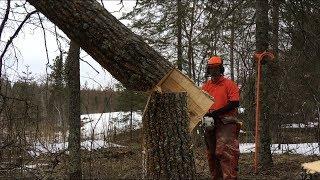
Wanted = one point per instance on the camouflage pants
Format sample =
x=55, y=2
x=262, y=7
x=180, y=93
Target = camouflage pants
x=223, y=150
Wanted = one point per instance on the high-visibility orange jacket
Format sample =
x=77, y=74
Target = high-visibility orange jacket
x=222, y=90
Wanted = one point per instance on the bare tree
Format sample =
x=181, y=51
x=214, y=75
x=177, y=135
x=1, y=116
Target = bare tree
x=262, y=44
x=73, y=87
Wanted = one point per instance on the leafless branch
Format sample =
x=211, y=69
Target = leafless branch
x=102, y=3
x=5, y=19
x=89, y=65
x=12, y=37
x=122, y=6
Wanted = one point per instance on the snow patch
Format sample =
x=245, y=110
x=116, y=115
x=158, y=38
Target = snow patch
x=40, y=148
x=303, y=148
x=100, y=125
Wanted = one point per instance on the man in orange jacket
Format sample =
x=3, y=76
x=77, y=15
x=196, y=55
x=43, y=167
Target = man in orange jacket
x=222, y=136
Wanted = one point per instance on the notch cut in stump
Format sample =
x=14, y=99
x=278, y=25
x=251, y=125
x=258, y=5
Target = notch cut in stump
x=167, y=143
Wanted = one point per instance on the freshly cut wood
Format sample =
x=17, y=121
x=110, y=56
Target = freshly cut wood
x=198, y=101
x=312, y=167
x=115, y=47
x=167, y=145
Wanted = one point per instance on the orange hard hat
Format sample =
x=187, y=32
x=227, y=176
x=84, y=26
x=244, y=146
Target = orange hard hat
x=215, y=60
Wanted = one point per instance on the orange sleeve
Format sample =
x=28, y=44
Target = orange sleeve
x=233, y=91
x=204, y=86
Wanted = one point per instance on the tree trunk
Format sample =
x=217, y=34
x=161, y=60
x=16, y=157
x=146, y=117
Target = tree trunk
x=273, y=83
x=179, y=34
x=73, y=86
x=131, y=126
x=167, y=142
x=191, y=64
x=262, y=43
x=124, y=54
x=275, y=26
x=232, y=50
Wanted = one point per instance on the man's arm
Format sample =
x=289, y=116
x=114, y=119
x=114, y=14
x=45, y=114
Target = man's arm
x=230, y=106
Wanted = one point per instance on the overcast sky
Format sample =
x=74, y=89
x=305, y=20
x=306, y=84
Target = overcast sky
x=32, y=53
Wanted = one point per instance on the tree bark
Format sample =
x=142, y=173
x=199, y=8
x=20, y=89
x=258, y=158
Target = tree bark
x=107, y=40
x=167, y=141
x=232, y=49
x=73, y=86
x=179, y=34
x=191, y=64
x=262, y=43
x=275, y=26
x=131, y=125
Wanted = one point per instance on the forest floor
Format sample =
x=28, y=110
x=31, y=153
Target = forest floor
x=120, y=163
x=126, y=163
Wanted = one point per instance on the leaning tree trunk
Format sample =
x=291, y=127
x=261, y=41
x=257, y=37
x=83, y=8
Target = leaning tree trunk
x=167, y=143
x=73, y=86
x=262, y=43
x=124, y=54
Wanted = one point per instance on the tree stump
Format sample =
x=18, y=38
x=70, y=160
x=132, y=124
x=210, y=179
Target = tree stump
x=167, y=144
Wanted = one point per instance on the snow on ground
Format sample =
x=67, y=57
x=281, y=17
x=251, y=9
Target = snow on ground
x=100, y=124
x=95, y=128
x=303, y=148
x=300, y=125
x=89, y=145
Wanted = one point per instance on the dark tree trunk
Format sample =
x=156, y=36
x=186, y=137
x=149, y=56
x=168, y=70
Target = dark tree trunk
x=273, y=82
x=191, y=64
x=131, y=126
x=73, y=86
x=262, y=43
x=167, y=142
x=179, y=33
x=275, y=26
x=232, y=49
x=110, y=43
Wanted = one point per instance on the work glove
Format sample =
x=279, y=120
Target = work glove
x=212, y=114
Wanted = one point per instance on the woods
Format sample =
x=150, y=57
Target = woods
x=57, y=109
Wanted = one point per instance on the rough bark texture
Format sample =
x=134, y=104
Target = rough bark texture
x=168, y=153
x=179, y=34
x=191, y=64
x=73, y=85
x=232, y=49
x=107, y=40
x=275, y=26
x=262, y=43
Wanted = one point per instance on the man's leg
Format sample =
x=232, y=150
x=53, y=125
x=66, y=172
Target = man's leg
x=227, y=149
x=214, y=165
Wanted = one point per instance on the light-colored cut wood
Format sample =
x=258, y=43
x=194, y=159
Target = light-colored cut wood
x=312, y=167
x=198, y=101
